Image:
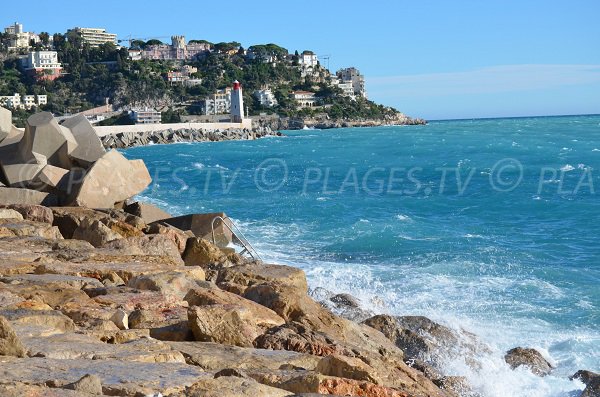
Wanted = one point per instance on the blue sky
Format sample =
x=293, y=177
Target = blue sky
x=431, y=59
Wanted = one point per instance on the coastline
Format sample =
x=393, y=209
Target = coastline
x=105, y=295
x=123, y=298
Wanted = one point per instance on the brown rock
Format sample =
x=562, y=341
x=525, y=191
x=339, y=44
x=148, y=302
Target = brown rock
x=89, y=384
x=147, y=212
x=317, y=383
x=176, y=282
x=155, y=245
x=10, y=344
x=119, y=378
x=297, y=338
x=202, y=226
x=164, y=324
x=347, y=367
x=23, y=228
x=6, y=213
x=179, y=237
x=36, y=213
x=530, y=358
x=232, y=386
x=261, y=316
x=215, y=357
x=251, y=274
x=95, y=232
x=226, y=324
x=200, y=252
x=48, y=319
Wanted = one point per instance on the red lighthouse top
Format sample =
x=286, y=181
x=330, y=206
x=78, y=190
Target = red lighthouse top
x=236, y=85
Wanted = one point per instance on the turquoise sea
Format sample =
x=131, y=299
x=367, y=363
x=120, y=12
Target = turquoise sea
x=491, y=225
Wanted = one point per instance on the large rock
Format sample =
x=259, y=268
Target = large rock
x=226, y=324
x=95, y=232
x=200, y=252
x=7, y=213
x=26, y=196
x=232, y=386
x=529, y=358
x=147, y=212
x=214, y=357
x=72, y=346
x=36, y=213
x=202, y=226
x=177, y=283
x=347, y=367
x=252, y=274
x=309, y=382
x=155, y=245
x=591, y=381
x=260, y=315
x=5, y=123
x=88, y=384
x=111, y=179
x=23, y=228
x=119, y=378
x=423, y=339
x=10, y=344
x=89, y=147
x=179, y=237
x=43, y=137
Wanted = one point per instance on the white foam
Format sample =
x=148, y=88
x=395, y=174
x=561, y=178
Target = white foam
x=567, y=168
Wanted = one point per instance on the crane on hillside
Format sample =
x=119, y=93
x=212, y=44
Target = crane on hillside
x=326, y=57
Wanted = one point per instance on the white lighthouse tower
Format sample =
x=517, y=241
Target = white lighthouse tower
x=237, y=103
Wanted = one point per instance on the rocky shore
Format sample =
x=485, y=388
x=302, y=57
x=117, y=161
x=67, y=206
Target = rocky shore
x=102, y=295
x=265, y=126
x=323, y=122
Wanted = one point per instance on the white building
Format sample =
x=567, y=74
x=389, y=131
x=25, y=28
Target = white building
x=308, y=59
x=145, y=116
x=44, y=64
x=95, y=36
x=237, y=103
x=358, y=80
x=266, y=97
x=305, y=99
x=18, y=39
x=218, y=103
x=17, y=101
x=347, y=88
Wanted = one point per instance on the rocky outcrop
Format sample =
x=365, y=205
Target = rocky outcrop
x=130, y=319
x=591, y=381
x=529, y=358
x=10, y=344
x=324, y=122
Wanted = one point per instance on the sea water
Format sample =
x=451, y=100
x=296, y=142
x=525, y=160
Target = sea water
x=486, y=225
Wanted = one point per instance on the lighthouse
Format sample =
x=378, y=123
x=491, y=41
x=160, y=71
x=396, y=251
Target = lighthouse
x=237, y=103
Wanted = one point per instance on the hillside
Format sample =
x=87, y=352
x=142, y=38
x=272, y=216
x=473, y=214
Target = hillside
x=91, y=75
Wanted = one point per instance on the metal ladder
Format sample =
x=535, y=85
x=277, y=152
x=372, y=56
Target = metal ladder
x=247, y=247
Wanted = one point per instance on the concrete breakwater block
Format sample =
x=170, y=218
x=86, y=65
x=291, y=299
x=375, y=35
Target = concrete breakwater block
x=53, y=164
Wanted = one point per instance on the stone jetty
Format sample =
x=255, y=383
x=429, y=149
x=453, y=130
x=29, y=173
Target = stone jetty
x=166, y=136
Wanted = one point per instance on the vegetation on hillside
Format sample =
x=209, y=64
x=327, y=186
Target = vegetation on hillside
x=91, y=75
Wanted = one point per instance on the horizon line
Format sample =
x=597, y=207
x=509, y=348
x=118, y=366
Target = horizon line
x=514, y=117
